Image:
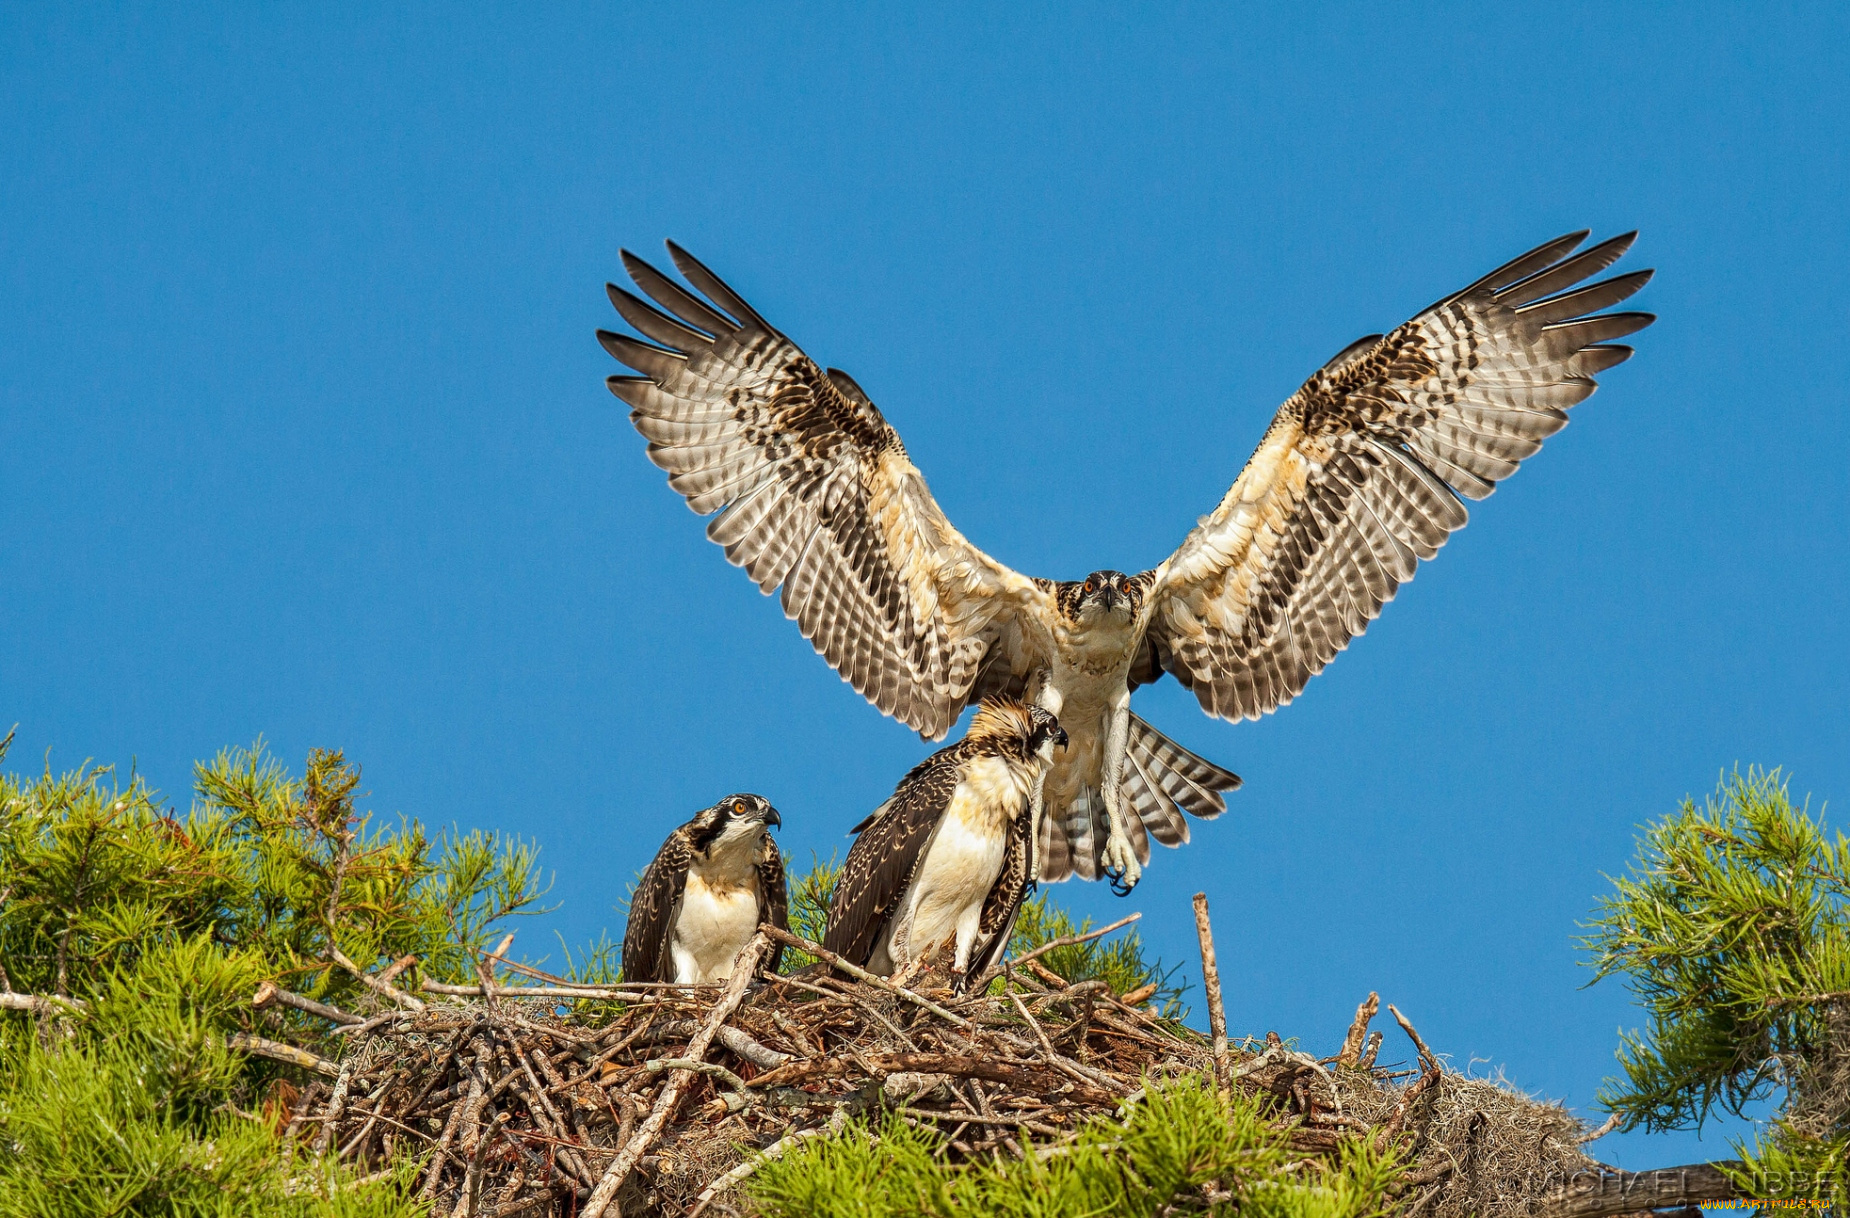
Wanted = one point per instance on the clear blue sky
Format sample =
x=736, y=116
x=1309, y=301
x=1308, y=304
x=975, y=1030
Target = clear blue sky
x=303, y=431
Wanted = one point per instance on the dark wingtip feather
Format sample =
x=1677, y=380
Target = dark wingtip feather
x=1585, y=301
x=676, y=299
x=656, y=362
x=612, y=345
x=633, y=262
x=654, y=324
x=1599, y=327
x=1599, y=357
x=716, y=289
x=1524, y=265
x=1567, y=272
x=1517, y=269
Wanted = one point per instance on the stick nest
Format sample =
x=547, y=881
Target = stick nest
x=522, y=1108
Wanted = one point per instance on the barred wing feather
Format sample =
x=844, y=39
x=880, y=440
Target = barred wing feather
x=1362, y=472
x=649, y=933
x=888, y=848
x=773, y=896
x=814, y=494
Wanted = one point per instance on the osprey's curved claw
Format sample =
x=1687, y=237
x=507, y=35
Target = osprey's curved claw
x=1122, y=869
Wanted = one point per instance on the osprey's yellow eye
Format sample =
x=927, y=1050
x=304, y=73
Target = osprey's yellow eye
x=738, y=807
x=1091, y=587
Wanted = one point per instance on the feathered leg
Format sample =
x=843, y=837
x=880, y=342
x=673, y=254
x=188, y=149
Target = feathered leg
x=1120, y=856
x=1050, y=700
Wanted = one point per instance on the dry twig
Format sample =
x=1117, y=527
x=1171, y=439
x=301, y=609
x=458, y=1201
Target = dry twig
x=856, y=971
x=373, y=983
x=1365, y=1012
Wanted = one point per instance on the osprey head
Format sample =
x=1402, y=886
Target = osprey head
x=732, y=819
x=1044, y=733
x=1008, y=725
x=1102, y=594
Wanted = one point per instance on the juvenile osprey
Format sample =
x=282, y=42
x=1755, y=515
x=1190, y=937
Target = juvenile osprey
x=713, y=881
x=1358, y=477
x=945, y=861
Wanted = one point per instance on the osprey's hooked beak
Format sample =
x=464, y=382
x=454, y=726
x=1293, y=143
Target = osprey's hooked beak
x=771, y=817
x=1059, y=736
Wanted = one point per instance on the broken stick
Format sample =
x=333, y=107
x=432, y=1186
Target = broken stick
x=1210, y=981
x=854, y=970
x=1365, y=1012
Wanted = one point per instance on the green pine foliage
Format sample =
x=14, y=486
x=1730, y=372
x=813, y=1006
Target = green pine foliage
x=1184, y=1149
x=158, y=928
x=281, y=868
x=1118, y=960
x=94, y=1125
x=810, y=891
x=1733, y=929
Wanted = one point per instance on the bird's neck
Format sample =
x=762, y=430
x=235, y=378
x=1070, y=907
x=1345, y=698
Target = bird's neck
x=730, y=857
x=1004, y=781
x=1097, y=642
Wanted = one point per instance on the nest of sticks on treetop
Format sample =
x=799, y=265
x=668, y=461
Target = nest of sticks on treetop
x=562, y=1100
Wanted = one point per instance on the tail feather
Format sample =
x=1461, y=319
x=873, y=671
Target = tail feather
x=1190, y=781
x=1054, y=850
x=1082, y=825
x=1154, y=809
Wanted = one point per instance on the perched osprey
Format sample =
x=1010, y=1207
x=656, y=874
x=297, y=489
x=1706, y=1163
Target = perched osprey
x=713, y=881
x=945, y=861
x=1359, y=476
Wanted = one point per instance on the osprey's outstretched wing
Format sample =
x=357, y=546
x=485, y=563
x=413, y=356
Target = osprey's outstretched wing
x=650, y=932
x=1360, y=474
x=817, y=496
x=888, y=848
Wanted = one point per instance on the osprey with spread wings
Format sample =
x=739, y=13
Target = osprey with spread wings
x=1360, y=476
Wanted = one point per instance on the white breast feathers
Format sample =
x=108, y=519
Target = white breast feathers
x=714, y=923
x=719, y=908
